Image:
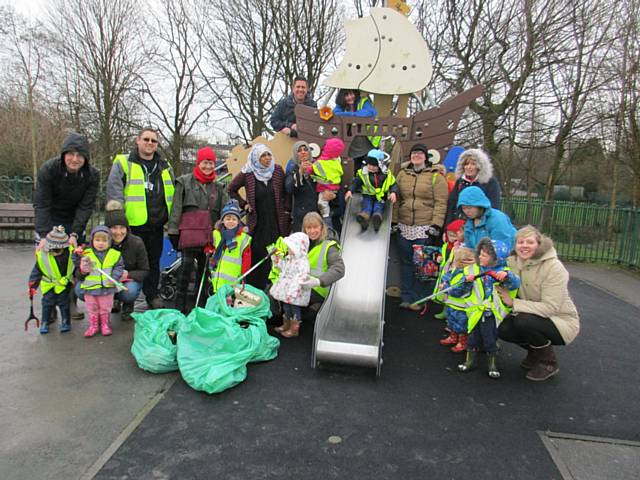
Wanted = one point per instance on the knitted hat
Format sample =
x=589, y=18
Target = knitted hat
x=231, y=208
x=205, y=153
x=56, y=239
x=114, y=214
x=456, y=225
x=100, y=229
x=419, y=147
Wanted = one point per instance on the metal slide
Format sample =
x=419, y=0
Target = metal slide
x=350, y=323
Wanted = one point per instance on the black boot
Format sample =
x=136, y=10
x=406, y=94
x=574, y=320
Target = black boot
x=363, y=220
x=377, y=221
x=126, y=311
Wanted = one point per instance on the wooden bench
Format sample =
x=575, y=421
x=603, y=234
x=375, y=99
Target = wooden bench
x=17, y=217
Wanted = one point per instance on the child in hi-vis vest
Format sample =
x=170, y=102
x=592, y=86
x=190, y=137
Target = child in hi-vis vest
x=52, y=272
x=96, y=285
x=376, y=184
x=484, y=307
x=231, y=247
x=327, y=172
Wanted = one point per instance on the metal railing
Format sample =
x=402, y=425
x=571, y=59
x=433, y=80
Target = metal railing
x=582, y=231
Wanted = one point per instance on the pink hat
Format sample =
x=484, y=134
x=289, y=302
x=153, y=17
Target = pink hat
x=332, y=148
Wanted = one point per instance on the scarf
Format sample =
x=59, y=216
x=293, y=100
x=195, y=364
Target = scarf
x=228, y=241
x=201, y=177
x=254, y=166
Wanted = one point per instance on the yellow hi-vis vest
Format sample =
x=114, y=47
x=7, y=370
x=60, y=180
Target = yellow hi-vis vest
x=479, y=304
x=318, y=263
x=229, y=267
x=375, y=140
x=445, y=266
x=369, y=189
x=95, y=279
x=51, y=277
x=135, y=193
x=328, y=171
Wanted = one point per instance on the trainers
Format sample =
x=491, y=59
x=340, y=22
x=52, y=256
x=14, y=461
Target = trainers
x=410, y=306
x=44, y=328
x=65, y=326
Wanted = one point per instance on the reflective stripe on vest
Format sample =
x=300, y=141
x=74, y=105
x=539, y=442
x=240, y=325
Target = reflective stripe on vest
x=481, y=305
x=51, y=277
x=328, y=171
x=229, y=267
x=445, y=267
x=95, y=279
x=135, y=196
x=369, y=189
x=375, y=140
x=318, y=263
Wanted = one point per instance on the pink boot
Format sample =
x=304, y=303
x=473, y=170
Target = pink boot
x=93, y=326
x=105, y=329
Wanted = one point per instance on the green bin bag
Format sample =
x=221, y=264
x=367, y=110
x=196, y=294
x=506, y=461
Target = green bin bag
x=152, y=348
x=214, y=347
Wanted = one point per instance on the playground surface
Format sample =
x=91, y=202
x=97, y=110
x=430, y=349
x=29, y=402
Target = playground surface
x=76, y=408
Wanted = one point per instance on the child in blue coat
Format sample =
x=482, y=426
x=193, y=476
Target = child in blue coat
x=482, y=220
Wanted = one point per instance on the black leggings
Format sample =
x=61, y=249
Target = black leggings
x=529, y=329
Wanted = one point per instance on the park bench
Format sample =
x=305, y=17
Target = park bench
x=16, y=218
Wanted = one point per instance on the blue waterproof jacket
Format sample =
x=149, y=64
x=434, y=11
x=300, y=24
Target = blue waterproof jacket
x=493, y=224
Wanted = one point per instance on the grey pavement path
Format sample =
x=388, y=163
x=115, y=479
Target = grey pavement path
x=620, y=283
x=65, y=399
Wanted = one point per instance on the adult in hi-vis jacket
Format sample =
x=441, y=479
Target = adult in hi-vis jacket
x=143, y=182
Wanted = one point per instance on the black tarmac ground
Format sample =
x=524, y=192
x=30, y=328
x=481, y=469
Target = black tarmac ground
x=420, y=420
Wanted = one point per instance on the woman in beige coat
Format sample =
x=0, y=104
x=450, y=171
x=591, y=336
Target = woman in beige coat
x=543, y=312
x=419, y=213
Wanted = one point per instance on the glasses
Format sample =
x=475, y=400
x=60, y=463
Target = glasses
x=303, y=149
x=150, y=140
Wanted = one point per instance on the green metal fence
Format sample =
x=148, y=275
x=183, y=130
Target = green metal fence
x=583, y=231
x=16, y=189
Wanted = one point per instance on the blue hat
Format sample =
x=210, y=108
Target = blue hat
x=231, y=208
x=375, y=157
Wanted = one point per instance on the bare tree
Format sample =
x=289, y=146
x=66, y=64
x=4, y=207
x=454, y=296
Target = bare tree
x=574, y=76
x=100, y=42
x=175, y=90
x=26, y=48
x=256, y=47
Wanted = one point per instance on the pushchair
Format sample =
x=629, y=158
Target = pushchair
x=169, y=281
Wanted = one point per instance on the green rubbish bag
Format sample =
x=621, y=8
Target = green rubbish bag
x=152, y=348
x=214, y=348
x=218, y=303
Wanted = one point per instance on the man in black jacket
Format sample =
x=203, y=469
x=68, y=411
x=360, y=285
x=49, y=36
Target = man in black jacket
x=283, y=118
x=66, y=191
x=65, y=195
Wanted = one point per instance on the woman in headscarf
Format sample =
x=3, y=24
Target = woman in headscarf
x=266, y=206
x=299, y=184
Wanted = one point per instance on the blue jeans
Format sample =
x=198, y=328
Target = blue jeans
x=370, y=206
x=292, y=311
x=51, y=300
x=410, y=287
x=128, y=296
